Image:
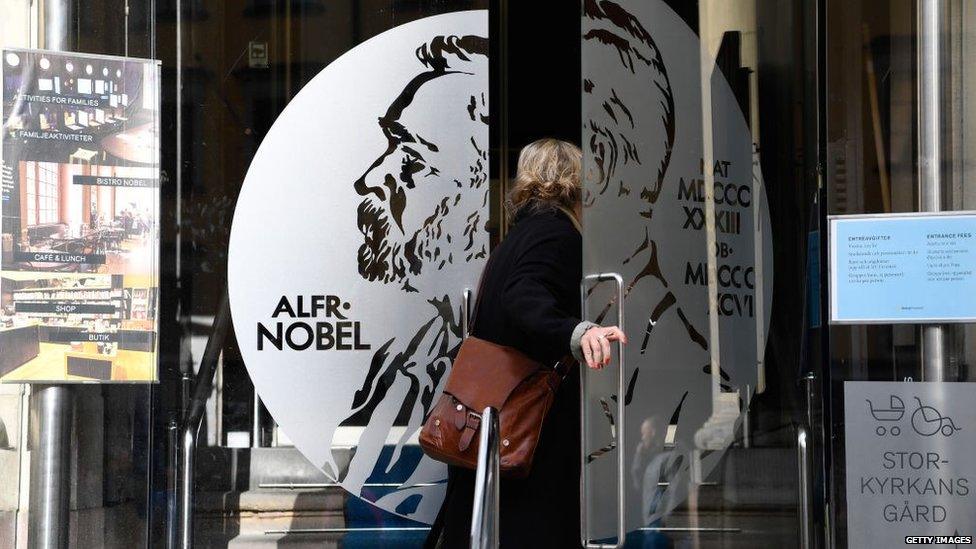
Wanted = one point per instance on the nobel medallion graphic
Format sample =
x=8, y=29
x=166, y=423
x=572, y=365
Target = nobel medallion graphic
x=360, y=224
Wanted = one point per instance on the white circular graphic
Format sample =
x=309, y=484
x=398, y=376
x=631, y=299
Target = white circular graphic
x=360, y=223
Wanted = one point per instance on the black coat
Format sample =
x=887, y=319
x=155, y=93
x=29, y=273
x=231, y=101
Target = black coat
x=530, y=302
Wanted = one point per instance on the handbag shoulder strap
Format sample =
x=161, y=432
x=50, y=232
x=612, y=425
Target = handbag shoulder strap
x=480, y=291
x=562, y=367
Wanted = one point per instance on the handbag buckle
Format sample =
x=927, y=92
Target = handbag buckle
x=471, y=427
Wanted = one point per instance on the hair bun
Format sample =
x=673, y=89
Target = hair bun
x=548, y=172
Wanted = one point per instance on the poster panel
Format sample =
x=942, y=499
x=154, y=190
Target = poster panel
x=909, y=463
x=903, y=268
x=79, y=269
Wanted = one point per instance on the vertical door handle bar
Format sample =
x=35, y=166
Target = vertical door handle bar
x=619, y=434
x=466, y=313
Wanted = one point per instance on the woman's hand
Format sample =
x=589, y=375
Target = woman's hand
x=596, y=345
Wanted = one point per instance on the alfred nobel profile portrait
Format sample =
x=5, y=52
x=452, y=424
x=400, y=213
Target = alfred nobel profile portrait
x=628, y=141
x=422, y=220
x=423, y=195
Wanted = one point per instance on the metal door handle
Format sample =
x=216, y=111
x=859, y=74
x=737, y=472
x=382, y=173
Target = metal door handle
x=618, y=433
x=466, y=313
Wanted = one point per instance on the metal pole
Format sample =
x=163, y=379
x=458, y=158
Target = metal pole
x=57, y=24
x=745, y=418
x=808, y=381
x=930, y=156
x=219, y=402
x=803, y=469
x=194, y=415
x=256, y=421
x=125, y=9
x=503, y=124
x=179, y=144
x=186, y=389
x=50, y=418
x=487, y=485
x=172, y=484
x=50, y=483
x=187, y=454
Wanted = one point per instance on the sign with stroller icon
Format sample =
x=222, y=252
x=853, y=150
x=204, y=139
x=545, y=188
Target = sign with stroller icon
x=908, y=460
x=928, y=421
x=893, y=413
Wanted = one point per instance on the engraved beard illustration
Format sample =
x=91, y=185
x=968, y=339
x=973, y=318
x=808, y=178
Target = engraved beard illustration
x=421, y=212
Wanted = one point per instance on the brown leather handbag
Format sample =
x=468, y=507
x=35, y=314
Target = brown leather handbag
x=485, y=374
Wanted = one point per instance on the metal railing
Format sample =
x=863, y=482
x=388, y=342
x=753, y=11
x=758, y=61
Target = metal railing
x=487, y=488
x=803, y=459
x=194, y=416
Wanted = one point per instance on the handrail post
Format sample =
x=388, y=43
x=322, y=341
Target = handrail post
x=172, y=484
x=805, y=488
x=187, y=455
x=194, y=415
x=487, y=487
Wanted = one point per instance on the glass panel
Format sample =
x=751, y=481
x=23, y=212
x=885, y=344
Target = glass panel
x=99, y=460
x=347, y=101
x=701, y=197
x=897, y=125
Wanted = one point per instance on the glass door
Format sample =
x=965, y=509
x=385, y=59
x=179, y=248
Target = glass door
x=701, y=238
x=900, y=391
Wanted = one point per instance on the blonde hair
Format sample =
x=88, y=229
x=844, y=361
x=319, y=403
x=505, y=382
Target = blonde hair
x=548, y=176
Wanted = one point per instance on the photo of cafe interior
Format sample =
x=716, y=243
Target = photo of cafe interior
x=68, y=225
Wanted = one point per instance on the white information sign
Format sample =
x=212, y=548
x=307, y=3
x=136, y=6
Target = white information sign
x=903, y=268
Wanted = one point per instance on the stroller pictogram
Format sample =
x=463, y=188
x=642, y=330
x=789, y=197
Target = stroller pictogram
x=927, y=421
x=894, y=412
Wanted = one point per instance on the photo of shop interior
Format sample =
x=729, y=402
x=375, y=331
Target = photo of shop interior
x=111, y=339
x=59, y=216
x=107, y=106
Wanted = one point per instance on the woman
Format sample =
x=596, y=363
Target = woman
x=531, y=302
